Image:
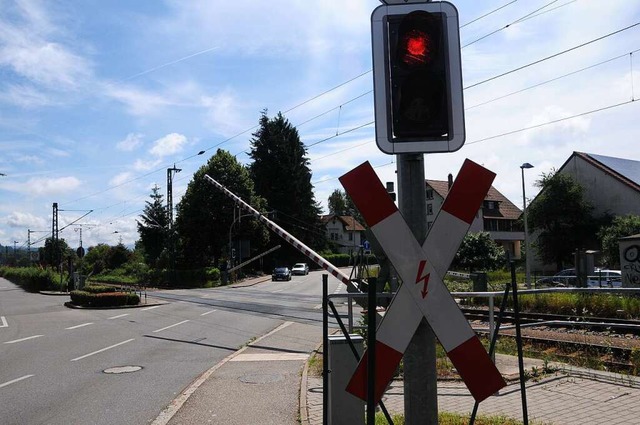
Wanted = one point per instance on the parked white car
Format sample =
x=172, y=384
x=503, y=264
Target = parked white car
x=605, y=278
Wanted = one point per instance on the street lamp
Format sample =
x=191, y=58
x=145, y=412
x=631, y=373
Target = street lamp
x=527, y=264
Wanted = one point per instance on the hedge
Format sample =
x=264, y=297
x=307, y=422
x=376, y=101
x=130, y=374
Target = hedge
x=346, y=260
x=202, y=277
x=32, y=279
x=104, y=299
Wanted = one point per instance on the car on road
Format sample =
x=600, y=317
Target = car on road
x=281, y=273
x=300, y=268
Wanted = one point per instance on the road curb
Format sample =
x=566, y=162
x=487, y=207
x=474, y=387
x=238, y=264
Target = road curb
x=168, y=412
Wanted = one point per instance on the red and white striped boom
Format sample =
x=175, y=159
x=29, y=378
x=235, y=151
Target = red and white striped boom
x=313, y=256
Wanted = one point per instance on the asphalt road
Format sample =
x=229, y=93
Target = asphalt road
x=54, y=358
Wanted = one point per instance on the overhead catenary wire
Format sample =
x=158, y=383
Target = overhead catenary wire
x=554, y=79
x=552, y=56
x=528, y=15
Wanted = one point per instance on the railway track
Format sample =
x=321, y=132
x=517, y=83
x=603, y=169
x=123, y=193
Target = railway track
x=578, y=337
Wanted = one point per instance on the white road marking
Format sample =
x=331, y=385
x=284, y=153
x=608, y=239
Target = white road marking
x=170, y=326
x=23, y=339
x=150, y=308
x=4, y=322
x=80, y=326
x=269, y=357
x=118, y=316
x=207, y=312
x=100, y=351
x=15, y=380
x=279, y=290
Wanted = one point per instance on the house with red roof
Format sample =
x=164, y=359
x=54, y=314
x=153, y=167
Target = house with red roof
x=498, y=216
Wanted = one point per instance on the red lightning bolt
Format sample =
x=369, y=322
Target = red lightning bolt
x=425, y=279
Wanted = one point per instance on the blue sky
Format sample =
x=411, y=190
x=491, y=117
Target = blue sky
x=99, y=98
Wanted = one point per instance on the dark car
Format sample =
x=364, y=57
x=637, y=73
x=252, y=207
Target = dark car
x=281, y=273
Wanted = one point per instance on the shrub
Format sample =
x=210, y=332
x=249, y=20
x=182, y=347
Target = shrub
x=32, y=279
x=98, y=289
x=104, y=299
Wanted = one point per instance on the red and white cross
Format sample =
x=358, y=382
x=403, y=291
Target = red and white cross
x=423, y=293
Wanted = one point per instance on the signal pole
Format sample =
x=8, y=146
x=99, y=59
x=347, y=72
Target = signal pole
x=419, y=109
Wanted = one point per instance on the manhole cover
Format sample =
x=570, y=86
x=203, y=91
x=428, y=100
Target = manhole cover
x=261, y=378
x=122, y=369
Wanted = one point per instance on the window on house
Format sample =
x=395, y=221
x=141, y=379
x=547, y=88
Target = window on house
x=429, y=209
x=429, y=193
x=491, y=205
x=350, y=236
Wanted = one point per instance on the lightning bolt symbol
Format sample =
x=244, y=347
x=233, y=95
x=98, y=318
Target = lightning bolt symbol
x=425, y=279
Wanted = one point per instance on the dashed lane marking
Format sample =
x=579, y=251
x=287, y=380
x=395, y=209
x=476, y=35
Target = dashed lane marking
x=13, y=381
x=118, y=316
x=101, y=350
x=80, y=326
x=170, y=326
x=3, y=322
x=150, y=308
x=207, y=312
x=23, y=339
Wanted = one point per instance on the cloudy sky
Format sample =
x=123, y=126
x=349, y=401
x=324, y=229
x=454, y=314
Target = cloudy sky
x=99, y=98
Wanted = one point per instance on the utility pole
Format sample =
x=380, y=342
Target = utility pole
x=54, y=237
x=172, y=248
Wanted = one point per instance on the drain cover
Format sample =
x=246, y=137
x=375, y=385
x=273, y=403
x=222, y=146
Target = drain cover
x=122, y=369
x=261, y=378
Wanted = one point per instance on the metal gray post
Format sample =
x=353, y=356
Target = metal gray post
x=344, y=408
x=420, y=376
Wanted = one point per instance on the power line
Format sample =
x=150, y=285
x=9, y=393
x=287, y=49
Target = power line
x=553, y=79
x=528, y=15
x=487, y=14
x=551, y=122
x=552, y=56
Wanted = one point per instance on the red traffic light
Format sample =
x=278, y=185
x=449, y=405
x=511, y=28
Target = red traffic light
x=416, y=46
x=417, y=77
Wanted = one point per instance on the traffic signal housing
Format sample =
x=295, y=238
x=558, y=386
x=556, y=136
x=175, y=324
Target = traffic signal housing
x=417, y=78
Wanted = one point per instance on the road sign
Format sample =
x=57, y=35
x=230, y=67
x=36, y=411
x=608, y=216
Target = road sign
x=417, y=77
x=421, y=268
x=366, y=245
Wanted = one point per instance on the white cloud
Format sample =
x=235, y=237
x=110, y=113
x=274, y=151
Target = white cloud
x=146, y=165
x=120, y=178
x=168, y=145
x=137, y=101
x=131, y=142
x=45, y=186
x=25, y=220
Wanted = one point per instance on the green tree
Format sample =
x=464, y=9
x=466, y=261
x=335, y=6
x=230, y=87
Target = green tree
x=562, y=218
x=204, y=215
x=117, y=256
x=479, y=252
x=621, y=227
x=96, y=259
x=280, y=171
x=52, y=255
x=152, y=228
x=337, y=202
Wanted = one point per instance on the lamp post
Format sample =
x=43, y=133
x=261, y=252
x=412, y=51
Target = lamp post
x=527, y=265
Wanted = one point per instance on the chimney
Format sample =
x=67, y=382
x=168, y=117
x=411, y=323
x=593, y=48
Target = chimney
x=449, y=181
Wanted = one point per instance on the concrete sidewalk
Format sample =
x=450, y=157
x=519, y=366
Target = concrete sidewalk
x=572, y=396
x=259, y=384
